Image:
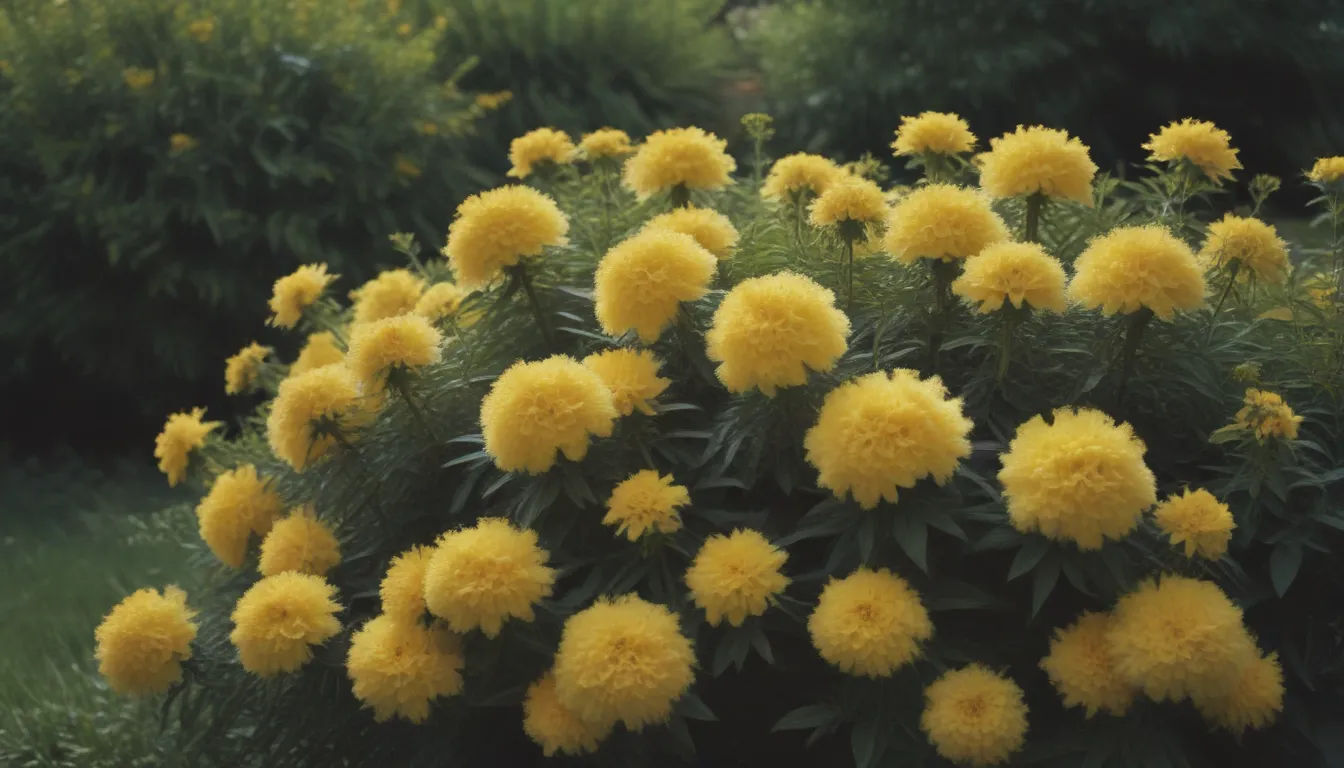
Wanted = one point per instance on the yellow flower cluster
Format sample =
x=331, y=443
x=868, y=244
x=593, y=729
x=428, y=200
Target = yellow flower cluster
x=1327, y=170
x=539, y=150
x=398, y=667
x=1197, y=520
x=688, y=158
x=942, y=221
x=300, y=543
x=392, y=293
x=937, y=133
x=1250, y=244
x=240, y=504
x=311, y=410
x=402, y=590
x=711, y=229
x=142, y=642
x=535, y=409
x=645, y=502
x=641, y=283
x=1268, y=416
x=1133, y=268
x=1021, y=274
x=479, y=577
x=297, y=291
x=800, y=174
x=382, y=347
x=554, y=726
x=974, y=717
x=848, y=199
x=631, y=375
x=498, y=229
x=605, y=142
x=1199, y=142
x=1080, y=667
x=439, y=302
x=1037, y=160
x=321, y=349
x=240, y=371
x=736, y=576
x=869, y=623
x=280, y=618
x=182, y=434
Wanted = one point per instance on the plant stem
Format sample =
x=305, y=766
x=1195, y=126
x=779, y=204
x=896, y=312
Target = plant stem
x=679, y=196
x=519, y=273
x=1233, y=269
x=1135, y=323
x=396, y=379
x=1006, y=323
x=944, y=272
x=849, y=272
x=1031, y=222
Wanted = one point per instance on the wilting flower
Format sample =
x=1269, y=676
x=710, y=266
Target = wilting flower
x=1201, y=143
x=144, y=639
x=869, y=623
x=481, y=576
x=646, y=501
x=736, y=576
x=974, y=717
x=535, y=409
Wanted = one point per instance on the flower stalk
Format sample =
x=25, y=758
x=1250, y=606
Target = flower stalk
x=519, y=273
x=1135, y=323
x=1232, y=269
x=944, y=272
x=1031, y=221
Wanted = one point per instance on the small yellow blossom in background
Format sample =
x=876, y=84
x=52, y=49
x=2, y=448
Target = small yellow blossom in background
x=137, y=78
x=401, y=343
x=441, y=23
x=182, y=434
x=321, y=349
x=479, y=577
x=1080, y=667
x=1248, y=372
x=850, y=199
x=202, y=29
x=308, y=409
x=1037, y=160
x=1268, y=416
x=404, y=29
x=405, y=168
x=800, y=173
x=240, y=504
x=640, y=283
x=1254, y=700
x=1014, y=273
x=711, y=229
x=280, y=618
x=1079, y=478
x=1322, y=291
x=440, y=302
x=1201, y=143
x=942, y=221
x=869, y=623
x=646, y=502
x=427, y=128
x=1198, y=520
x=689, y=158
x=974, y=717
x=299, y=542
x=493, y=100
x=555, y=727
x=770, y=331
x=143, y=640
x=5, y=67
x=297, y=291
x=631, y=375
x=181, y=142
x=392, y=293
x=1131, y=268
x=240, y=371
x=623, y=659
x=538, y=150
x=1327, y=170
x=402, y=590
x=736, y=576
x=399, y=667
x=938, y=133
x=1250, y=244
x=535, y=409
x=605, y=142
x=884, y=431
x=498, y=229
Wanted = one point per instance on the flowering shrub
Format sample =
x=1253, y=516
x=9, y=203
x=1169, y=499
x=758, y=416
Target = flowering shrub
x=970, y=472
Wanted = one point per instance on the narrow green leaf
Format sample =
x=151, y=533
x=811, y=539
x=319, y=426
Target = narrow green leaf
x=1028, y=556
x=1043, y=582
x=913, y=537
x=692, y=707
x=863, y=742
x=1284, y=563
x=806, y=717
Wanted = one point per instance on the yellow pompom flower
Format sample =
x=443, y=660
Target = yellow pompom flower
x=279, y=619
x=1254, y=700
x=882, y=431
x=646, y=501
x=299, y=542
x=1327, y=170
x=938, y=133
x=320, y=350
x=848, y=200
x=711, y=229
x=1037, y=160
x=295, y=292
x=539, y=149
x=1250, y=244
x=1080, y=667
x=769, y=331
x=799, y=174
x=974, y=717
x=680, y=157
x=440, y=301
x=399, y=666
x=240, y=504
x=499, y=228
x=1268, y=416
x=869, y=623
x=1130, y=268
x=605, y=142
x=1198, y=520
x=240, y=371
x=736, y=576
x=1079, y=478
x=393, y=292
x=641, y=282
x=143, y=640
x=942, y=221
x=479, y=577
x=1200, y=142
x=537, y=408
x=555, y=727
x=402, y=589
x=309, y=409
x=623, y=659
x=182, y=433
x=404, y=342
x=1015, y=273
x=631, y=375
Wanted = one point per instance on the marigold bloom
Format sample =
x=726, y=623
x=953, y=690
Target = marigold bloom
x=308, y=409
x=181, y=142
x=279, y=619
x=1198, y=520
x=143, y=640
x=736, y=576
x=499, y=228
x=402, y=589
x=320, y=349
x=1268, y=416
x=404, y=342
x=1130, y=268
x=393, y=292
x=1254, y=700
x=240, y=504
x=555, y=727
x=1080, y=667
x=1037, y=160
x=641, y=282
x=869, y=623
x=1202, y=143
x=768, y=332
x=481, y=576
x=798, y=174
x=942, y=221
x=297, y=291
x=1015, y=273
x=974, y=717
x=605, y=142
x=399, y=666
x=299, y=542
x=1251, y=244
x=537, y=408
x=882, y=431
x=240, y=371
x=646, y=501
x=202, y=29
x=711, y=229
x=493, y=100
x=440, y=301
x=938, y=133
x=538, y=149
x=182, y=434
x=137, y=78
x=631, y=375
x=1327, y=170
x=848, y=199
x=679, y=157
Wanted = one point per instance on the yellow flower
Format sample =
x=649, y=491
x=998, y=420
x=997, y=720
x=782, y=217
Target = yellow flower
x=736, y=576
x=493, y=100
x=181, y=142
x=1017, y=273
x=402, y=589
x=240, y=504
x=1248, y=372
x=427, y=128
x=143, y=640
x=537, y=408
x=279, y=619
x=401, y=343
x=1200, y=142
x=405, y=167
x=479, y=577
x=938, y=133
x=1198, y=520
x=320, y=349
x=605, y=142
x=497, y=229
x=182, y=434
x=974, y=717
x=404, y=29
x=679, y=157
x=1079, y=478
x=398, y=666
x=555, y=727
x=641, y=282
x=869, y=623
x=137, y=78
x=1130, y=268
x=1321, y=289
x=1268, y=416
x=538, y=150
x=711, y=229
x=631, y=375
x=646, y=501
x=1081, y=669
x=1251, y=244
x=296, y=292
x=1327, y=170
x=881, y=431
x=799, y=174
x=942, y=221
x=202, y=29
x=849, y=199
x=240, y=371
x=1254, y=700
x=440, y=302
x=300, y=543
x=393, y=292
x=1036, y=160
x=623, y=659
x=770, y=331
x=309, y=410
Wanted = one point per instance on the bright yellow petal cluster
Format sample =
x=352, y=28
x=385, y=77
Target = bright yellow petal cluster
x=623, y=659
x=882, y=431
x=539, y=149
x=1015, y=273
x=938, y=133
x=942, y=221
x=869, y=623
x=297, y=291
x=299, y=542
x=1080, y=667
x=182, y=434
x=1251, y=244
x=1254, y=701
x=1079, y=478
x=320, y=349
x=1200, y=142
x=499, y=228
x=800, y=173
x=1327, y=170
x=402, y=589
x=1036, y=160
x=399, y=666
x=606, y=142
x=711, y=229
x=644, y=502
x=308, y=408
x=769, y=331
x=537, y=408
x=641, y=282
x=974, y=717
x=440, y=302
x=393, y=292
x=848, y=199
x=404, y=342
x=240, y=504
x=279, y=619
x=1321, y=289
x=679, y=157
x=1130, y=268
x=631, y=375
x=143, y=640
x=736, y=576
x=1268, y=416
x=555, y=727
x=240, y=371
x=1198, y=520
x=481, y=576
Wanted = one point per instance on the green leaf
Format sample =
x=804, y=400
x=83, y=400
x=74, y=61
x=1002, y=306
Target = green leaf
x=956, y=596
x=1284, y=563
x=692, y=707
x=1043, y=582
x=762, y=644
x=806, y=717
x=1003, y=537
x=863, y=742
x=1028, y=556
x=913, y=537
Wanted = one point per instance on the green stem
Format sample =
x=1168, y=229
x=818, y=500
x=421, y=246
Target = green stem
x=397, y=380
x=1006, y=323
x=1135, y=323
x=1031, y=222
x=519, y=272
x=679, y=196
x=849, y=272
x=944, y=272
x=1233, y=269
